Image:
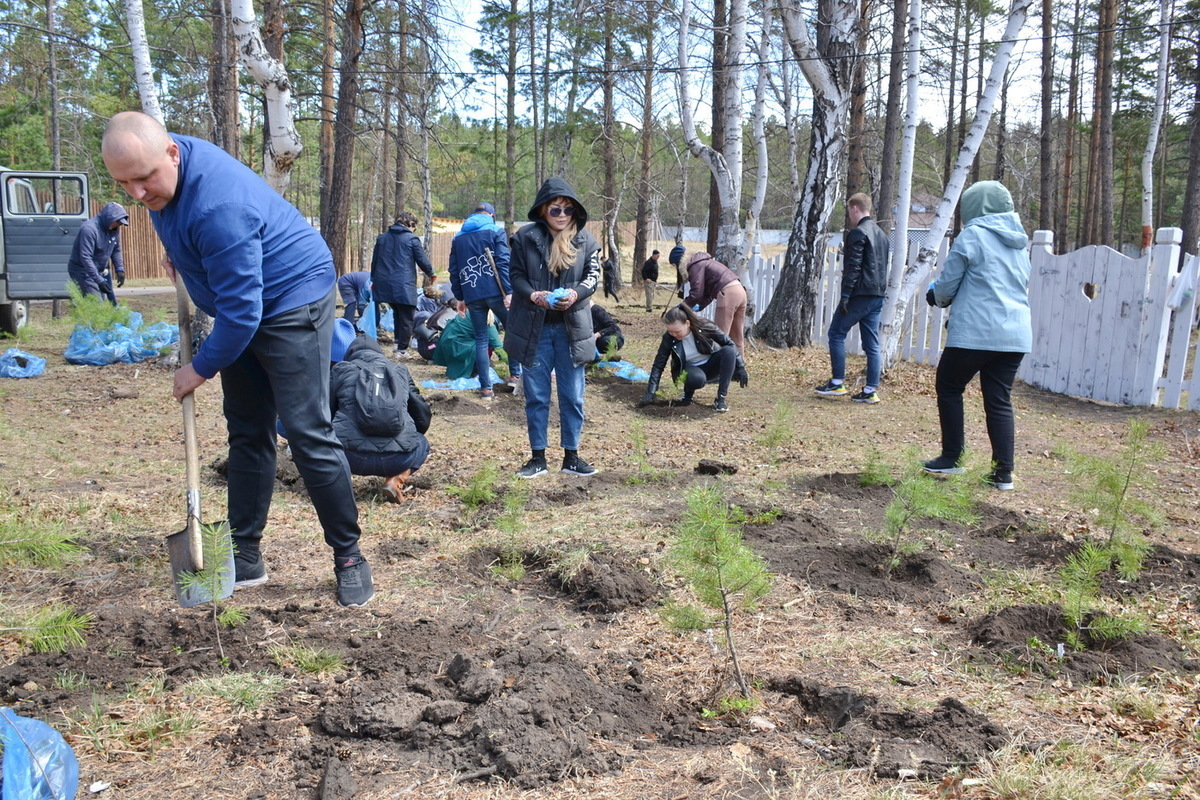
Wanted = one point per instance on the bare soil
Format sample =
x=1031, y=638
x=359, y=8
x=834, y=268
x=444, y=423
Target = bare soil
x=564, y=682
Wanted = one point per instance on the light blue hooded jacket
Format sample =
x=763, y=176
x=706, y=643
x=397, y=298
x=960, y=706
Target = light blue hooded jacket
x=986, y=275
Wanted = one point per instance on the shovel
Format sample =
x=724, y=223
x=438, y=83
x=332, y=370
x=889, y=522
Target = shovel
x=186, y=548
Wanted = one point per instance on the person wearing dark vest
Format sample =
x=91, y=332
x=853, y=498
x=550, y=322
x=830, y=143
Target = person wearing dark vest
x=864, y=283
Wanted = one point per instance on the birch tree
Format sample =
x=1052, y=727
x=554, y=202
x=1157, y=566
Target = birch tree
x=899, y=249
x=754, y=213
x=827, y=65
x=143, y=72
x=726, y=164
x=283, y=140
x=914, y=275
x=1160, y=102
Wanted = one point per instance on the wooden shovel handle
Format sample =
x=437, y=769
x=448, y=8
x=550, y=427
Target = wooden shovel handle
x=190, y=450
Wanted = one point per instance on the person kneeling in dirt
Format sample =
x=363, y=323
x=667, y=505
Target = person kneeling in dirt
x=701, y=350
x=607, y=334
x=379, y=415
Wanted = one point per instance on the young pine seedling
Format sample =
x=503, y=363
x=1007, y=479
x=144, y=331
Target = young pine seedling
x=217, y=546
x=917, y=496
x=726, y=576
x=511, y=523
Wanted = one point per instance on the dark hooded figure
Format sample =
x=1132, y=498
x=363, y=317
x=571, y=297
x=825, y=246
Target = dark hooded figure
x=97, y=243
x=397, y=256
x=555, y=269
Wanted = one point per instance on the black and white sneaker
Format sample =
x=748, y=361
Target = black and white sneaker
x=355, y=588
x=999, y=479
x=831, y=389
x=532, y=468
x=248, y=570
x=943, y=465
x=720, y=406
x=574, y=465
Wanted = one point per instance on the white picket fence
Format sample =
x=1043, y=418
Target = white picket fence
x=1105, y=326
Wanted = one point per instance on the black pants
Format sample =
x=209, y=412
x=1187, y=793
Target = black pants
x=720, y=365
x=997, y=371
x=284, y=372
x=404, y=320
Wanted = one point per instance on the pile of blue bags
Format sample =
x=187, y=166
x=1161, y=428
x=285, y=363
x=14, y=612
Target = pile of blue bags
x=125, y=343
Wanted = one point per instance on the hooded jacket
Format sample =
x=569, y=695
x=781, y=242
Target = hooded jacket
x=986, y=275
x=394, y=262
x=471, y=274
x=530, y=272
x=95, y=245
x=706, y=278
x=365, y=353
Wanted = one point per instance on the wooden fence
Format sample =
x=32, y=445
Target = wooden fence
x=1106, y=327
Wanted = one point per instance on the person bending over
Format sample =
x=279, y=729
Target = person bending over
x=700, y=349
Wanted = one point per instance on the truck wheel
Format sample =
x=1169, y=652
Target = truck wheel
x=13, y=316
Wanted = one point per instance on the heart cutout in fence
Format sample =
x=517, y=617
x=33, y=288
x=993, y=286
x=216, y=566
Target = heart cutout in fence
x=1091, y=291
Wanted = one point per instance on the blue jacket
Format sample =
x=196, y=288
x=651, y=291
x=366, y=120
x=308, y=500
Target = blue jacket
x=398, y=253
x=471, y=275
x=244, y=253
x=95, y=246
x=986, y=277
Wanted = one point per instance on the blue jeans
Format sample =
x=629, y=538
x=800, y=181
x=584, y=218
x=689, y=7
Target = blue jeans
x=284, y=373
x=385, y=465
x=863, y=312
x=478, y=310
x=554, y=353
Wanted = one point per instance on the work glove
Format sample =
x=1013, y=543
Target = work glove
x=844, y=306
x=930, y=297
x=120, y=278
x=646, y=400
x=741, y=376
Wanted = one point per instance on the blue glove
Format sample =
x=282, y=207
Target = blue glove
x=558, y=294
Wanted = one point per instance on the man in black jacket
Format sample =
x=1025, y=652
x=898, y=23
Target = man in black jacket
x=606, y=332
x=864, y=283
x=650, y=278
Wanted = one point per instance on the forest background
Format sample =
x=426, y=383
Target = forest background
x=421, y=105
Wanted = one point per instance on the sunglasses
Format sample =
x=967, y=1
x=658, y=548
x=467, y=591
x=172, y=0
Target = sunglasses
x=561, y=211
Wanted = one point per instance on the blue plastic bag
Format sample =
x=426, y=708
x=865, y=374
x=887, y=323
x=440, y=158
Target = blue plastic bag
x=461, y=384
x=38, y=764
x=126, y=343
x=626, y=370
x=16, y=363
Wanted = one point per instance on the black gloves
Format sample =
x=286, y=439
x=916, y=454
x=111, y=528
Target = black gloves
x=844, y=306
x=120, y=278
x=741, y=376
x=930, y=297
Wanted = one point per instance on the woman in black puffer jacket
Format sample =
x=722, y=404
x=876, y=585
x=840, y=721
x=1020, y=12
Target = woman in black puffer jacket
x=554, y=269
x=703, y=351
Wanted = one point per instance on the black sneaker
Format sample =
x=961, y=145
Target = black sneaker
x=719, y=405
x=248, y=570
x=999, y=479
x=354, y=585
x=683, y=401
x=943, y=465
x=533, y=467
x=831, y=389
x=866, y=397
x=574, y=465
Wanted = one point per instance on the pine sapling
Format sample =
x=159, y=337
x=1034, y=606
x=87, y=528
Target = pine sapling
x=645, y=472
x=49, y=629
x=916, y=496
x=511, y=523
x=778, y=431
x=1116, y=490
x=217, y=546
x=725, y=575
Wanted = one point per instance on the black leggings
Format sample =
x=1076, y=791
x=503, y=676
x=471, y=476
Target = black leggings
x=997, y=371
x=720, y=365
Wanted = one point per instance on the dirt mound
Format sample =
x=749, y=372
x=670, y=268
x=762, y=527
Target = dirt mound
x=895, y=742
x=1033, y=638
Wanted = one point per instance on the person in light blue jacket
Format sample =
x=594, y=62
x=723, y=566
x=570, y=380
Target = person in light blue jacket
x=985, y=281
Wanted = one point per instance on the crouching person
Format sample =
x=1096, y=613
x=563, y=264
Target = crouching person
x=378, y=415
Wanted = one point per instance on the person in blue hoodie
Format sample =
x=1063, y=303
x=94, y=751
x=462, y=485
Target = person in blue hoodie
x=985, y=283
x=252, y=262
x=97, y=243
x=481, y=285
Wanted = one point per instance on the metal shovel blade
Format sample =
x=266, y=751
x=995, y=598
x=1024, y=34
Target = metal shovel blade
x=193, y=584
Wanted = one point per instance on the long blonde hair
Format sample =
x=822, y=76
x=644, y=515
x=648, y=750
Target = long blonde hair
x=562, y=246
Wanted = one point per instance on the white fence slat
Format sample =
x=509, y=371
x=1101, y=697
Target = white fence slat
x=1156, y=317
x=1091, y=368
x=1183, y=292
